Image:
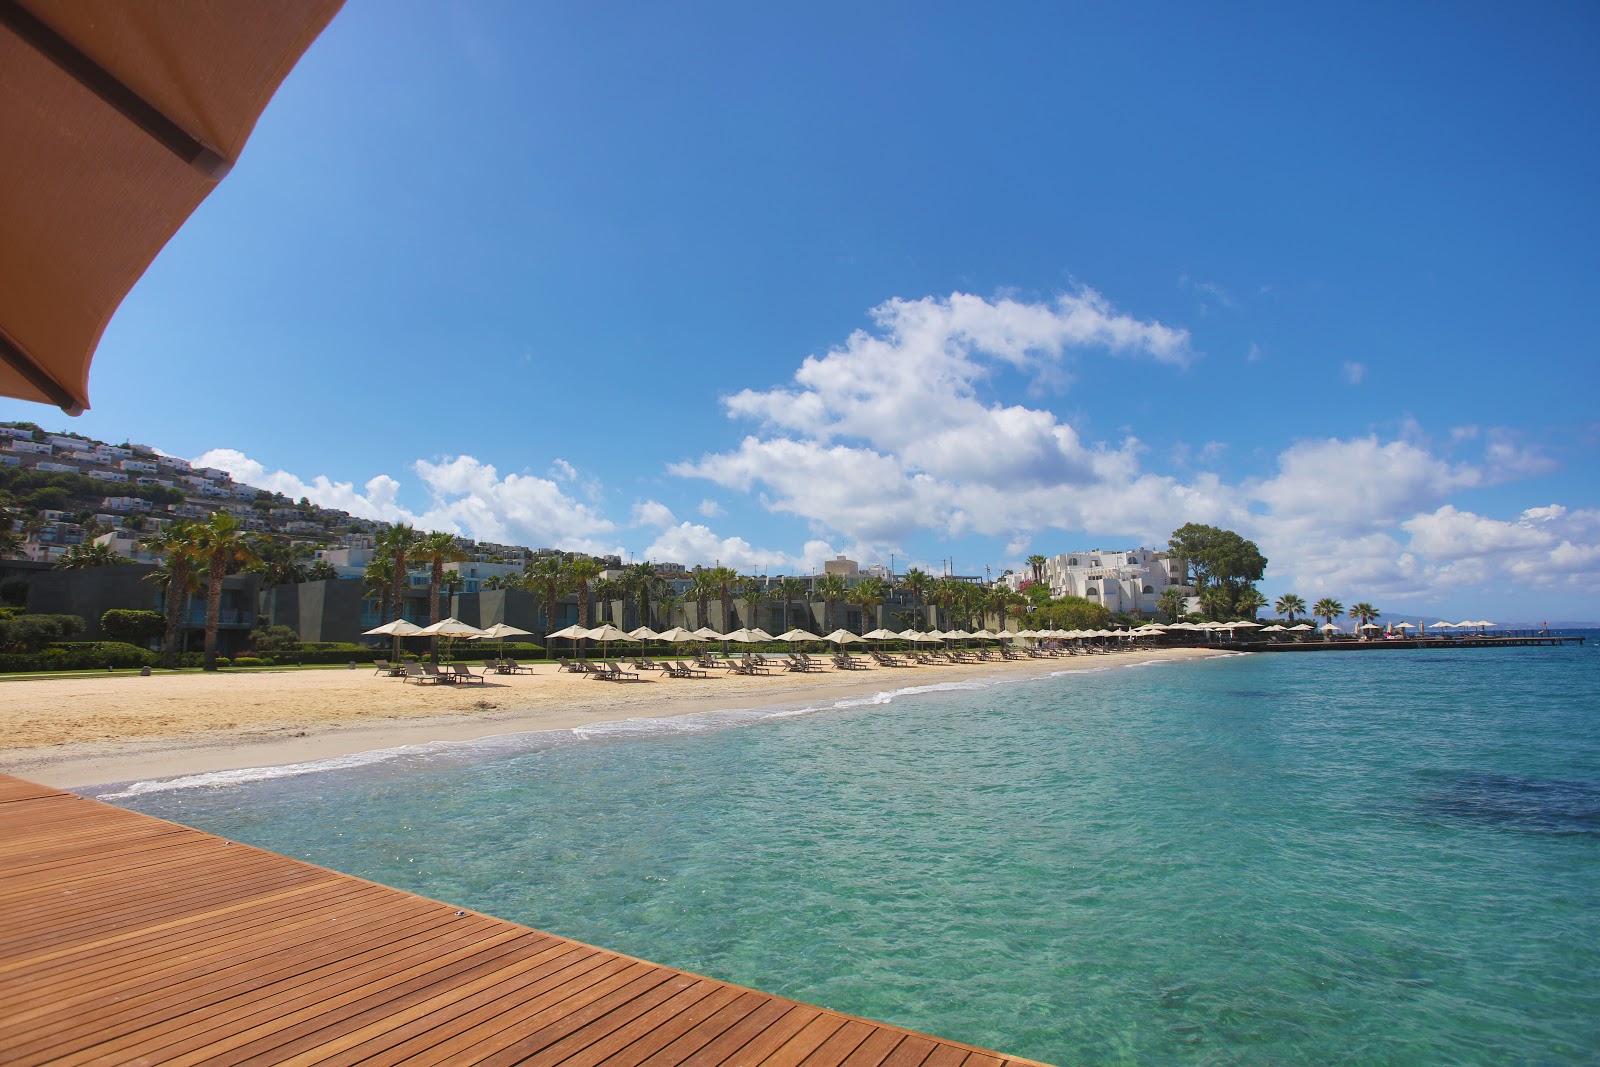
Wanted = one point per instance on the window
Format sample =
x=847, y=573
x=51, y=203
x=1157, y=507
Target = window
x=1148, y=589
x=1073, y=562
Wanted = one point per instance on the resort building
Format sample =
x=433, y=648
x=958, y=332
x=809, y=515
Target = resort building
x=1128, y=581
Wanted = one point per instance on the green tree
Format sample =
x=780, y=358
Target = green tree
x=831, y=589
x=1036, y=562
x=322, y=571
x=754, y=592
x=789, y=590
x=225, y=547
x=131, y=625
x=702, y=586
x=81, y=557
x=726, y=578
x=644, y=580
x=436, y=549
x=549, y=577
x=1171, y=603
x=918, y=581
x=1248, y=602
x=379, y=578
x=1364, y=613
x=1218, y=559
x=11, y=541
x=1327, y=609
x=397, y=542
x=867, y=594
x=1289, y=606
x=179, y=576
x=608, y=591
x=582, y=571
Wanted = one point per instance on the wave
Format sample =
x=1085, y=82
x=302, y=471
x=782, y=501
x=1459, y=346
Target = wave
x=533, y=740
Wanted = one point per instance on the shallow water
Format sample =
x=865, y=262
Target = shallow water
x=1388, y=858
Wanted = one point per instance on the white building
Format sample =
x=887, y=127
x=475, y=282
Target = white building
x=109, y=476
x=113, y=452
x=126, y=545
x=1123, y=580
x=35, y=447
x=141, y=466
x=67, y=444
x=58, y=468
x=125, y=503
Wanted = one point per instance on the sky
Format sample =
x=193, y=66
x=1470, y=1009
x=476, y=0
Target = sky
x=937, y=284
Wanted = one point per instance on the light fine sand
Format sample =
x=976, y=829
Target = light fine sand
x=73, y=732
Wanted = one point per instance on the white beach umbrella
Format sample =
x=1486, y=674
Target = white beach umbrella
x=843, y=637
x=706, y=633
x=1402, y=626
x=1331, y=628
x=1483, y=622
x=451, y=627
x=499, y=632
x=1304, y=626
x=1245, y=625
x=1444, y=626
x=398, y=627
x=607, y=634
x=571, y=633
x=1273, y=629
x=880, y=634
x=984, y=635
x=916, y=636
x=1025, y=633
x=1462, y=625
x=747, y=636
x=1371, y=626
x=798, y=635
x=644, y=633
x=677, y=636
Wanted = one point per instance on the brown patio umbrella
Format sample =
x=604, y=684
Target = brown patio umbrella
x=116, y=120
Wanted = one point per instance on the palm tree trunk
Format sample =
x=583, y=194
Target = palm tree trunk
x=213, y=609
x=398, y=597
x=177, y=600
x=434, y=578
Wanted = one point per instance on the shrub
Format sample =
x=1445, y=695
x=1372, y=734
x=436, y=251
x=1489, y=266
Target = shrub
x=79, y=656
x=134, y=627
x=29, y=633
x=332, y=652
x=275, y=639
x=14, y=592
x=248, y=661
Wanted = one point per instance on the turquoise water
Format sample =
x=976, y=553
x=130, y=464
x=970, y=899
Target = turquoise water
x=1384, y=858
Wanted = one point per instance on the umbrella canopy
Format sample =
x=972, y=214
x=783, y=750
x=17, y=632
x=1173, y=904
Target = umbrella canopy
x=1371, y=626
x=746, y=636
x=677, y=635
x=500, y=631
x=606, y=633
x=916, y=636
x=1246, y=624
x=118, y=120
x=644, y=633
x=706, y=633
x=842, y=637
x=572, y=633
x=398, y=627
x=1327, y=627
x=449, y=628
x=797, y=635
x=1402, y=626
x=1273, y=629
x=880, y=634
x=985, y=634
x=1444, y=626
x=1305, y=626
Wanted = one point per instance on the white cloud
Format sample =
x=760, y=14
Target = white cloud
x=693, y=543
x=653, y=513
x=711, y=509
x=467, y=497
x=1353, y=371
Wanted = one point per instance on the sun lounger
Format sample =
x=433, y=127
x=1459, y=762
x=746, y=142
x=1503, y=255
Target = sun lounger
x=682, y=670
x=579, y=667
x=461, y=673
x=613, y=672
x=436, y=674
x=511, y=666
x=416, y=674
x=387, y=669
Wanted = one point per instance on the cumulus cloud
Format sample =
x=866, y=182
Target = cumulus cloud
x=467, y=497
x=711, y=509
x=897, y=433
x=1354, y=372
x=689, y=542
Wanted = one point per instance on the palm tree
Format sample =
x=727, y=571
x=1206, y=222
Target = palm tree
x=1289, y=606
x=436, y=549
x=607, y=591
x=642, y=578
x=322, y=571
x=868, y=594
x=11, y=541
x=582, y=571
x=1249, y=602
x=396, y=542
x=280, y=561
x=1009, y=601
x=831, y=588
x=789, y=590
x=224, y=546
x=1363, y=611
x=1036, y=561
x=665, y=601
x=754, y=592
x=704, y=585
x=379, y=578
x=79, y=557
x=547, y=575
x=918, y=581
x=179, y=577
x=1327, y=609
x=1172, y=602
x=725, y=577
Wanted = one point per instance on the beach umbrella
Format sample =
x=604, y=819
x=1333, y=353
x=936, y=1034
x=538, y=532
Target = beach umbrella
x=1245, y=625
x=797, y=634
x=1371, y=626
x=1304, y=626
x=748, y=636
x=1444, y=626
x=606, y=634
x=451, y=627
x=1402, y=626
x=500, y=631
x=1327, y=627
x=706, y=633
x=916, y=636
x=398, y=627
x=842, y=637
x=573, y=633
x=1273, y=629
x=880, y=634
x=644, y=633
x=118, y=120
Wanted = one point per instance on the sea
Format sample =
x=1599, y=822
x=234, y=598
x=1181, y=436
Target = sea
x=1384, y=858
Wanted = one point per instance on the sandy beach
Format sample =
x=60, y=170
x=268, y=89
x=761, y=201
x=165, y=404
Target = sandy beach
x=77, y=732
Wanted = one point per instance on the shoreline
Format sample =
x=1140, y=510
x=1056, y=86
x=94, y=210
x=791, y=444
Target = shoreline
x=85, y=732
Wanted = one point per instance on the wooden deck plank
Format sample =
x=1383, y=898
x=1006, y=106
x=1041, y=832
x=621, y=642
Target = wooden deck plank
x=127, y=939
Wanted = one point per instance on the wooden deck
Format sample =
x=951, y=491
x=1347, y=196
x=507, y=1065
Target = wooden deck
x=128, y=939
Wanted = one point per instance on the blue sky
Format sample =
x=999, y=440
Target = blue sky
x=757, y=284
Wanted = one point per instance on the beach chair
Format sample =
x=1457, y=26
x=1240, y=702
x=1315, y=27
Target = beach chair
x=511, y=666
x=613, y=672
x=460, y=673
x=414, y=673
x=756, y=665
x=387, y=669
x=580, y=667
x=682, y=670
x=436, y=674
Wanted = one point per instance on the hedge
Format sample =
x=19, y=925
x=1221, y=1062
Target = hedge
x=79, y=656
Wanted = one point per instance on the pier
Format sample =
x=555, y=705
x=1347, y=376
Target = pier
x=1510, y=639
x=126, y=938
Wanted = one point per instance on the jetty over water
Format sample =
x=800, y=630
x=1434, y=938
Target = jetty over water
x=126, y=938
x=1511, y=639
